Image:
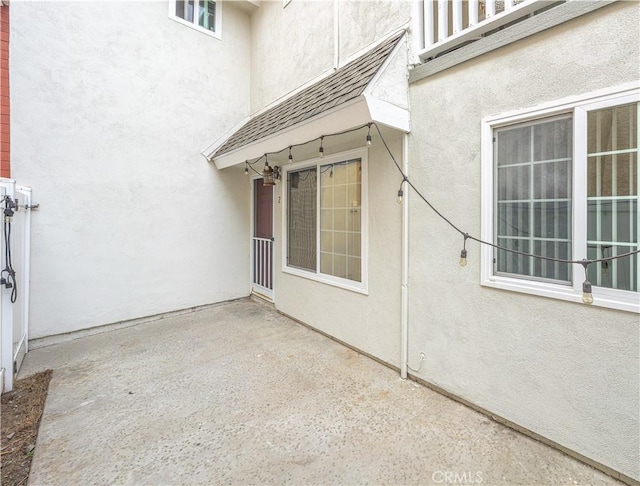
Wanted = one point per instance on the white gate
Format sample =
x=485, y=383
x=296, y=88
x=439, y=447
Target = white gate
x=263, y=266
x=15, y=248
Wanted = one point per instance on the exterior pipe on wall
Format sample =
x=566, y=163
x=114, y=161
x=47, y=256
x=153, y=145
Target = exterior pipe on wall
x=404, y=349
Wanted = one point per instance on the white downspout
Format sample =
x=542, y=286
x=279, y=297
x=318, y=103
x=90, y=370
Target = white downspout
x=404, y=317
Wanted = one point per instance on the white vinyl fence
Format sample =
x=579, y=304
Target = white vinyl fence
x=16, y=206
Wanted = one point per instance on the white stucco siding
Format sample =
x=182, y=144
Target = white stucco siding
x=391, y=83
x=289, y=47
x=292, y=46
x=362, y=23
x=371, y=322
x=111, y=103
x=569, y=372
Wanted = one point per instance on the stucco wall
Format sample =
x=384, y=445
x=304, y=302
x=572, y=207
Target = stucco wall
x=111, y=104
x=293, y=45
x=569, y=372
x=368, y=322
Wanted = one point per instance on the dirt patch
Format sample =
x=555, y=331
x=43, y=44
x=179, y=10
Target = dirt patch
x=21, y=411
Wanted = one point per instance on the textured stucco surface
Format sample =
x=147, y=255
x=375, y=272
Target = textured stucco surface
x=566, y=371
x=287, y=51
x=368, y=322
x=361, y=23
x=111, y=104
x=239, y=394
x=391, y=85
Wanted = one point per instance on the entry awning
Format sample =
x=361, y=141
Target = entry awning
x=371, y=88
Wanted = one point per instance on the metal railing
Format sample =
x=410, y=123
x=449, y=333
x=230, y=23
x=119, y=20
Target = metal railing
x=263, y=263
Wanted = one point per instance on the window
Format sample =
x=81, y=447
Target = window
x=325, y=222
x=203, y=15
x=562, y=182
x=533, y=198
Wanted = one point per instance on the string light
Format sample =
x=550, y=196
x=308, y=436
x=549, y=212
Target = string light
x=400, y=191
x=463, y=253
x=249, y=165
x=290, y=156
x=587, y=297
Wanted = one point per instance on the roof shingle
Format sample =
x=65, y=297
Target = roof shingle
x=345, y=84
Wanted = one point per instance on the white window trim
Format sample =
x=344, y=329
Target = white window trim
x=578, y=106
x=343, y=283
x=217, y=34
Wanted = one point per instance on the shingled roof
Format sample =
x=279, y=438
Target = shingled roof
x=345, y=84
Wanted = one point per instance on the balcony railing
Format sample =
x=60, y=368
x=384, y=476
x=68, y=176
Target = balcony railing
x=448, y=24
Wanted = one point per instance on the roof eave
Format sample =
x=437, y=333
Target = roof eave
x=359, y=111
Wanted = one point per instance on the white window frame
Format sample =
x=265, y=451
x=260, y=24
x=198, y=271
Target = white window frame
x=343, y=283
x=578, y=106
x=218, y=32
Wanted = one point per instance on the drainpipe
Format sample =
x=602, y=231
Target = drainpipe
x=404, y=317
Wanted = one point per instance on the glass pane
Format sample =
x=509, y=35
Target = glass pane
x=617, y=274
x=511, y=262
x=552, y=140
x=514, y=145
x=548, y=268
x=340, y=219
x=612, y=191
x=552, y=220
x=185, y=9
x=552, y=180
x=513, y=182
x=612, y=175
x=207, y=14
x=180, y=8
x=533, y=206
x=513, y=219
x=613, y=129
x=301, y=221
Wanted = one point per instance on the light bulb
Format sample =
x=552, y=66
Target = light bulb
x=246, y=169
x=587, y=296
x=321, y=151
x=368, y=140
x=400, y=194
x=463, y=258
x=290, y=156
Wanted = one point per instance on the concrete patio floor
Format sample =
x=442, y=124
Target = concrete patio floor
x=239, y=394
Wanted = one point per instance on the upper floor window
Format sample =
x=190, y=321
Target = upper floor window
x=562, y=182
x=325, y=220
x=203, y=15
